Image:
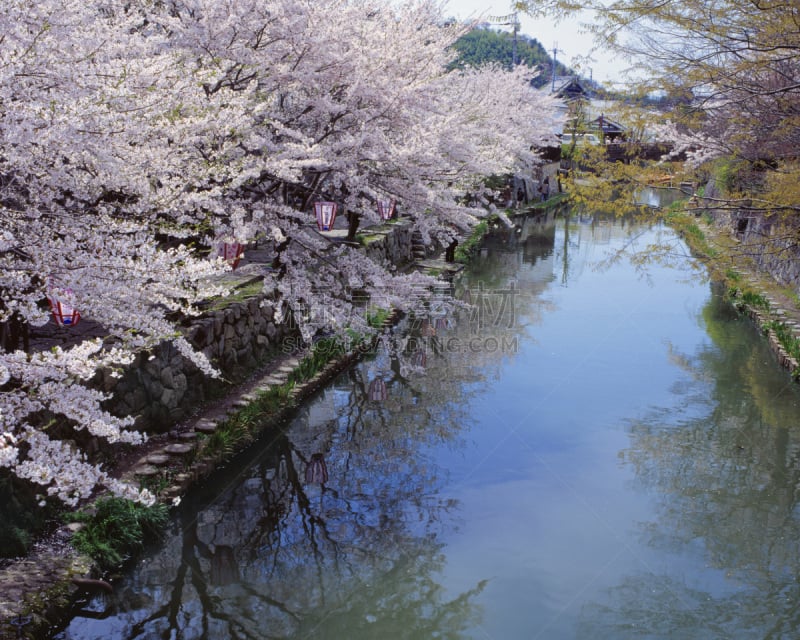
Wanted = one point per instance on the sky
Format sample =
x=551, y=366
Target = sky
x=571, y=42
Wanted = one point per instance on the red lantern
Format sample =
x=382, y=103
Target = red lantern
x=231, y=252
x=60, y=298
x=377, y=390
x=386, y=209
x=326, y=214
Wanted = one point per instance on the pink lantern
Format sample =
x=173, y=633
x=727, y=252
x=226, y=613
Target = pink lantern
x=377, y=390
x=231, y=252
x=420, y=358
x=326, y=214
x=316, y=470
x=386, y=209
x=59, y=298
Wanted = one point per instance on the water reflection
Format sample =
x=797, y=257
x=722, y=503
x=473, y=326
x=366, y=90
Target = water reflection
x=334, y=527
x=580, y=453
x=723, y=463
x=299, y=546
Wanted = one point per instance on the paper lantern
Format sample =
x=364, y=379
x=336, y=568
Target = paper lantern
x=386, y=209
x=64, y=313
x=317, y=470
x=377, y=390
x=230, y=251
x=326, y=214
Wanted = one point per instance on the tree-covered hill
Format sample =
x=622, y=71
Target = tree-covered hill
x=484, y=46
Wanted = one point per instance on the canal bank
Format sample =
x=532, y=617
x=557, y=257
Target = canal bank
x=36, y=591
x=457, y=502
x=31, y=580
x=773, y=309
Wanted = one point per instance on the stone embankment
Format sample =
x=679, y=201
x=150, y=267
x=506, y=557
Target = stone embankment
x=174, y=401
x=757, y=250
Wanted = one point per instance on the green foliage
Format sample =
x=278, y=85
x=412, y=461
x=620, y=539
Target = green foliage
x=755, y=300
x=116, y=528
x=322, y=352
x=742, y=299
x=231, y=435
x=465, y=249
x=733, y=276
x=155, y=484
x=787, y=340
x=553, y=201
x=727, y=174
x=480, y=47
x=376, y=317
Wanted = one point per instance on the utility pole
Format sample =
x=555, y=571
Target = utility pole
x=555, y=52
x=512, y=21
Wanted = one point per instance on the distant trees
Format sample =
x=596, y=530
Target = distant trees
x=480, y=47
x=731, y=69
x=728, y=72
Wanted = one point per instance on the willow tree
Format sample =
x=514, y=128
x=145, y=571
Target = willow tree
x=729, y=71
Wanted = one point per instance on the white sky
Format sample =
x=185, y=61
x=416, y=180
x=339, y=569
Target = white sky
x=573, y=44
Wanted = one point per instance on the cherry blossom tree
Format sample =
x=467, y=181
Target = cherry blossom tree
x=135, y=134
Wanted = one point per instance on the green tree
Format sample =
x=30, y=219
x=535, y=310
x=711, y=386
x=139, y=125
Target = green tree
x=729, y=71
x=484, y=46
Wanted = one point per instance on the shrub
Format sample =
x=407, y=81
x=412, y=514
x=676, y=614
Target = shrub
x=116, y=529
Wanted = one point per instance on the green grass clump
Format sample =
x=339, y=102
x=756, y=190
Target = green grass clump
x=733, y=276
x=755, y=300
x=376, y=316
x=743, y=299
x=787, y=340
x=116, y=529
x=465, y=249
x=321, y=354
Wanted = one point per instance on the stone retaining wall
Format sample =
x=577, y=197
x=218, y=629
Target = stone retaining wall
x=396, y=244
x=770, y=241
x=161, y=387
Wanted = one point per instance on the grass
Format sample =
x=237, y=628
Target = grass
x=364, y=240
x=240, y=428
x=376, y=316
x=321, y=354
x=239, y=294
x=754, y=300
x=787, y=340
x=116, y=529
x=465, y=249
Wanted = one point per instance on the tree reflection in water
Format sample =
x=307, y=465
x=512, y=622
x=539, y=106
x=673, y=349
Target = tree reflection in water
x=330, y=531
x=726, y=471
x=334, y=528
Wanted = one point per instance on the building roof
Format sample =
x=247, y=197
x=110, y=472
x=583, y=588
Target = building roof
x=568, y=87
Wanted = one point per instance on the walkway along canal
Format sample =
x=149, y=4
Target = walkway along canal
x=595, y=450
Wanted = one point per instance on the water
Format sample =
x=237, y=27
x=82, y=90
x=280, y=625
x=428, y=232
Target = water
x=601, y=449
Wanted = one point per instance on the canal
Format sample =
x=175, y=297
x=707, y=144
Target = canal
x=597, y=448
